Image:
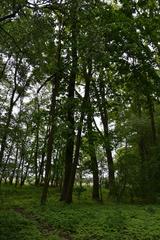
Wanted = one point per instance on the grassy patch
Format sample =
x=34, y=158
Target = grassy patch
x=22, y=218
x=15, y=226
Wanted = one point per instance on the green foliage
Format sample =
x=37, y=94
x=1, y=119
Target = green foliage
x=14, y=226
x=22, y=218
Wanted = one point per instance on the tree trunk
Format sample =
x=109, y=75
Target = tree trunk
x=9, y=115
x=41, y=167
x=23, y=178
x=70, y=111
x=6, y=129
x=50, y=141
x=18, y=172
x=92, y=152
x=78, y=137
x=152, y=120
x=55, y=90
x=15, y=166
x=36, y=148
x=6, y=163
x=101, y=99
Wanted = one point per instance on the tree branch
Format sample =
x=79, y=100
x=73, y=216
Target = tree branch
x=43, y=84
x=12, y=15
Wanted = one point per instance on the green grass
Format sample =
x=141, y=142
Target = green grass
x=22, y=218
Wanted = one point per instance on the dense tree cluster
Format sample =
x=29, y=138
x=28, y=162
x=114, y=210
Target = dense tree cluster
x=80, y=92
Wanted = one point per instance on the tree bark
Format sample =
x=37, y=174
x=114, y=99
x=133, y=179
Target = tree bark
x=50, y=141
x=55, y=90
x=101, y=100
x=78, y=137
x=6, y=163
x=37, y=145
x=41, y=167
x=15, y=166
x=70, y=111
x=9, y=115
x=152, y=120
x=6, y=128
x=92, y=152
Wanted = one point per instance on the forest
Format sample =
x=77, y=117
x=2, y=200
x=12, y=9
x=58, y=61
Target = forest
x=79, y=119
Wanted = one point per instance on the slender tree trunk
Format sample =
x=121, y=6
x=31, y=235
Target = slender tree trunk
x=15, y=166
x=50, y=143
x=92, y=152
x=41, y=168
x=9, y=115
x=55, y=90
x=23, y=178
x=104, y=117
x=70, y=111
x=54, y=170
x=84, y=105
x=6, y=129
x=152, y=120
x=6, y=163
x=36, y=150
x=18, y=172
x=22, y=170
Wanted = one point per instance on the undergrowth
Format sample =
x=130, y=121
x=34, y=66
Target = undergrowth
x=22, y=218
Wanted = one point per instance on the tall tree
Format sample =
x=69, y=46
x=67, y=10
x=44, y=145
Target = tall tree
x=70, y=102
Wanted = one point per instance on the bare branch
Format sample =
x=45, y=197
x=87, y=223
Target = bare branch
x=43, y=84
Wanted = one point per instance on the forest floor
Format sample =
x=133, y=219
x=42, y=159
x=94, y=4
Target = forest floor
x=22, y=218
